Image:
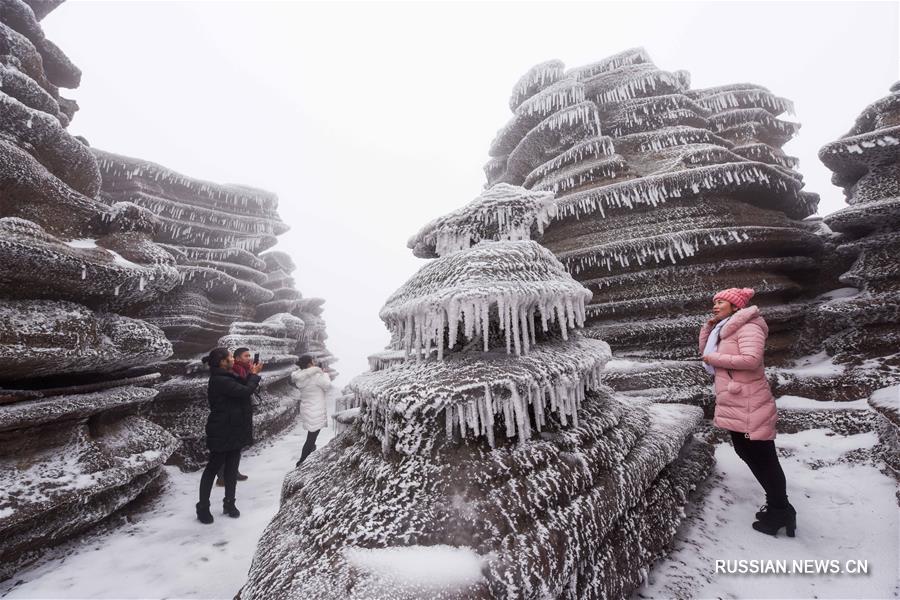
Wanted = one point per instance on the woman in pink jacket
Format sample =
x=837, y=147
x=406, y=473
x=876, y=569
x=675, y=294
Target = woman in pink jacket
x=732, y=344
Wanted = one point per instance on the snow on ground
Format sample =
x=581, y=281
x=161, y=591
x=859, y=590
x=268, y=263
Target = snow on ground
x=846, y=510
x=814, y=365
x=801, y=403
x=165, y=552
x=426, y=569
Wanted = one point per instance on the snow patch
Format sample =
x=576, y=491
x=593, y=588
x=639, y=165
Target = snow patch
x=425, y=567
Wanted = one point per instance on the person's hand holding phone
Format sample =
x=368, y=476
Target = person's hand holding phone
x=256, y=368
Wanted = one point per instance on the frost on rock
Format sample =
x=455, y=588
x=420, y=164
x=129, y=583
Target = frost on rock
x=518, y=285
x=554, y=98
x=79, y=473
x=450, y=442
x=73, y=448
x=886, y=402
x=863, y=331
x=740, y=95
x=679, y=183
x=621, y=478
x=49, y=337
x=96, y=275
x=503, y=212
x=115, y=275
x=631, y=56
x=468, y=394
x=555, y=134
x=536, y=79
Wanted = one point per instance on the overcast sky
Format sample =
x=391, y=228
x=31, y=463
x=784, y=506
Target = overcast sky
x=370, y=119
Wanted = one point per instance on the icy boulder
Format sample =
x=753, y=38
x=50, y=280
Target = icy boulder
x=516, y=281
x=503, y=212
x=40, y=338
x=669, y=195
x=73, y=449
x=67, y=462
x=35, y=264
x=886, y=403
x=519, y=467
x=230, y=291
x=862, y=330
x=193, y=212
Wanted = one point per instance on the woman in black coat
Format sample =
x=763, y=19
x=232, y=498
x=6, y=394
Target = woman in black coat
x=229, y=427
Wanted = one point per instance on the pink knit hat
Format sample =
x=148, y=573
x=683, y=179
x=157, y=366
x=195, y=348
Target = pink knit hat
x=739, y=297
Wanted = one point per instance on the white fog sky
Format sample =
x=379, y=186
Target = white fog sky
x=370, y=119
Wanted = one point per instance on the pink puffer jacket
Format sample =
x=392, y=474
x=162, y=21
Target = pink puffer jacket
x=744, y=401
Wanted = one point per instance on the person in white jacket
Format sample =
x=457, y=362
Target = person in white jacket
x=314, y=385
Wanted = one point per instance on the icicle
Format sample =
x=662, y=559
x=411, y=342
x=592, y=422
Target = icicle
x=508, y=418
x=523, y=328
x=489, y=414
x=520, y=413
x=440, y=335
x=485, y=322
x=514, y=321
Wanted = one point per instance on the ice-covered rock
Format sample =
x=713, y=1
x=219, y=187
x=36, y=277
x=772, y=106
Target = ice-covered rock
x=73, y=448
x=228, y=292
x=42, y=338
x=663, y=195
x=523, y=461
x=886, y=403
x=193, y=212
x=115, y=275
x=67, y=462
x=510, y=283
x=857, y=325
x=503, y=212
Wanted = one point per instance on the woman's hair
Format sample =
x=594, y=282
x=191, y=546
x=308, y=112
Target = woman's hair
x=215, y=357
x=304, y=361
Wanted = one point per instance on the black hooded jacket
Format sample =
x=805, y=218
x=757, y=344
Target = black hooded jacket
x=230, y=422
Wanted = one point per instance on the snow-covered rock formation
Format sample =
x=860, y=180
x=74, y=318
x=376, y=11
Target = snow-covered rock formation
x=115, y=276
x=861, y=330
x=485, y=427
x=664, y=194
x=73, y=446
x=231, y=291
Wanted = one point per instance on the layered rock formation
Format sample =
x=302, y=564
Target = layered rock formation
x=861, y=330
x=115, y=275
x=231, y=292
x=484, y=426
x=73, y=447
x=664, y=194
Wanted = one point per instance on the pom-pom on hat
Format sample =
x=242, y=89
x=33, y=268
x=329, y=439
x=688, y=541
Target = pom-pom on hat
x=739, y=297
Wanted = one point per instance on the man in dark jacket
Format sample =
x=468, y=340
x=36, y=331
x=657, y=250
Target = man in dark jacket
x=243, y=363
x=229, y=427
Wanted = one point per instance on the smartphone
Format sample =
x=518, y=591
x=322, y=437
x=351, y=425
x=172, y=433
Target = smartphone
x=256, y=358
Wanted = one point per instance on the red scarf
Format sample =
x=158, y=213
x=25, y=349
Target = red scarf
x=240, y=370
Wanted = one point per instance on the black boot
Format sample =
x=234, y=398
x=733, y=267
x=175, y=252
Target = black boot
x=203, y=513
x=228, y=508
x=765, y=511
x=775, y=519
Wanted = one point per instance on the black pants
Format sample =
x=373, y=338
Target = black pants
x=221, y=473
x=230, y=460
x=762, y=459
x=310, y=445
